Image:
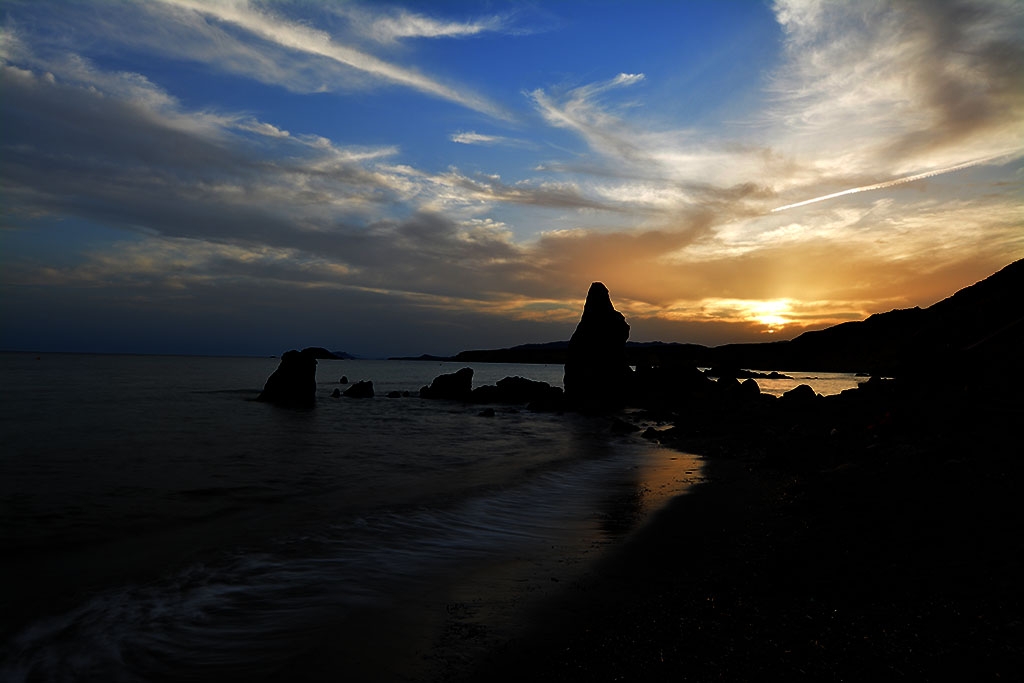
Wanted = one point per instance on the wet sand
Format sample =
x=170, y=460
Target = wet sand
x=893, y=557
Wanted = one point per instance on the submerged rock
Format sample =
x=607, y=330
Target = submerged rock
x=293, y=384
x=597, y=374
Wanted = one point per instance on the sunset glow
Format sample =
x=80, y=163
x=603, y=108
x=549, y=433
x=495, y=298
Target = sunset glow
x=392, y=179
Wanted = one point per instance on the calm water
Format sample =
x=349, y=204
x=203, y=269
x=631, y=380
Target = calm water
x=158, y=524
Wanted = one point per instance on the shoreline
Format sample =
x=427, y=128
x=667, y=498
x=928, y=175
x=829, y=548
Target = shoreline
x=887, y=559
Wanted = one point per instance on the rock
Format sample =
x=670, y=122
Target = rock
x=727, y=385
x=518, y=390
x=596, y=372
x=336, y=393
x=343, y=380
x=360, y=390
x=672, y=385
x=394, y=394
x=802, y=395
x=457, y=386
x=749, y=388
x=293, y=384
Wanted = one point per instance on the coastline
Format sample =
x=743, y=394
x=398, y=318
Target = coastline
x=891, y=559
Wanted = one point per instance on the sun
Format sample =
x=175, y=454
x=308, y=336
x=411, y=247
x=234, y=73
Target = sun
x=773, y=314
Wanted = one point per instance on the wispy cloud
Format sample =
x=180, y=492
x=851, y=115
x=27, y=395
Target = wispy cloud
x=402, y=24
x=911, y=86
x=473, y=138
x=297, y=37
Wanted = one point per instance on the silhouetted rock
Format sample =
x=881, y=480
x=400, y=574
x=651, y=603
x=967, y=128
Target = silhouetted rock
x=456, y=386
x=360, y=390
x=336, y=393
x=540, y=395
x=750, y=388
x=802, y=395
x=293, y=384
x=394, y=394
x=596, y=372
x=673, y=385
x=343, y=380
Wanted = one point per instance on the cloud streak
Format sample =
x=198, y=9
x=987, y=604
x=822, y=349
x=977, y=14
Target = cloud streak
x=898, y=181
x=292, y=36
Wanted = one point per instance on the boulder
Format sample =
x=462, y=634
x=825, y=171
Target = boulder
x=597, y=375
x=293, y=384
x=799, y=396
x=336, y=393
x=518, y=390
x=750, y=388
x=456, y=386
x=362, y=389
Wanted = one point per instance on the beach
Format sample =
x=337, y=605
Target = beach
x=892, y=558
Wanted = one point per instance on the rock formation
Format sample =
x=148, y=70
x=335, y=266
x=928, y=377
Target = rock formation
x=457, y=386
x=362, y=389
x=596, y=372
x=539, y=395
x=293, y=384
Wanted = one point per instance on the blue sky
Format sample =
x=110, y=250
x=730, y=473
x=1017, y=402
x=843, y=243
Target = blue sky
x=387, y=178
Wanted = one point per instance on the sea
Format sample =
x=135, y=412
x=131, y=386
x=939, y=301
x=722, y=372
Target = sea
x=159, y=524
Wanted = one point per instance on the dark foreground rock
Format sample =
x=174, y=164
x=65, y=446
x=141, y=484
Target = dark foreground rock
x=597, y=376
x=456, y=386
x=293, y=384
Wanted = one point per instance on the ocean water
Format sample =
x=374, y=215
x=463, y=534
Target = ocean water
x=159, y=524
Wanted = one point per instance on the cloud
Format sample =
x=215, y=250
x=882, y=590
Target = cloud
x=243, y=38
x=913, y=86
x=401, y=24
x=474, y=138
x=296, y=37
x=580, y=110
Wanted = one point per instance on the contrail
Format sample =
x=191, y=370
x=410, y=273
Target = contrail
x=893, y=183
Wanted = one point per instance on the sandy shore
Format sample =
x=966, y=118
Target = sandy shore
x=888, y=555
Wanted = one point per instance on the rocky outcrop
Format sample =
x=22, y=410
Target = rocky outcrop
x=456, y=386
x=360, y=390
x=596, y=372
x=538, y=395
x=293, y=384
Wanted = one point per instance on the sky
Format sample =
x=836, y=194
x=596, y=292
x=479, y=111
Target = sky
x=244, y=177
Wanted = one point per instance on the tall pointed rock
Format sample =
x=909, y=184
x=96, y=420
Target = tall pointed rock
x=293, y=384
x=596, y=372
